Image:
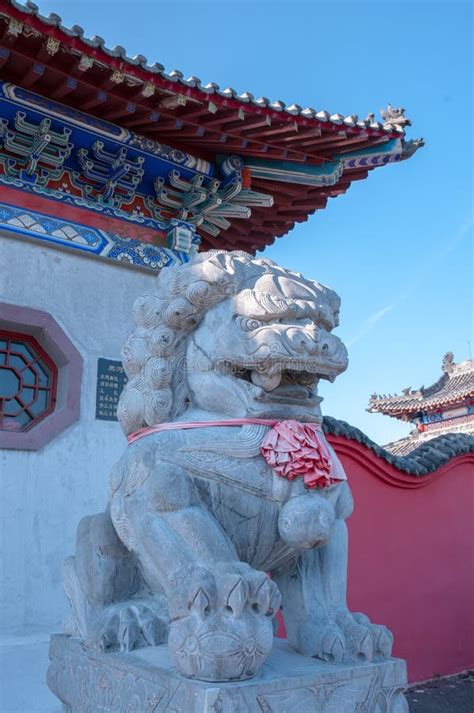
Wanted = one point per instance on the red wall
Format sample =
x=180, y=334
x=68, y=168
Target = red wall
x=411, y=563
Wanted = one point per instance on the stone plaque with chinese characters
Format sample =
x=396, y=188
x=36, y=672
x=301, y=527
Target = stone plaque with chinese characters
x=111, y=379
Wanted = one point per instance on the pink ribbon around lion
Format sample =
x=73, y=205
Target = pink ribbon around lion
x=290, y=448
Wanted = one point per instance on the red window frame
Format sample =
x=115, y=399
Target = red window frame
x=38, y=353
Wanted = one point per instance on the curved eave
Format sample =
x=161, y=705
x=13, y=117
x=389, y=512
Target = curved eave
x=41, y=54
x=293, y=204
x=116, y=58
x=411, y=410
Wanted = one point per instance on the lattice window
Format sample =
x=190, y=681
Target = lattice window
x=28, y=382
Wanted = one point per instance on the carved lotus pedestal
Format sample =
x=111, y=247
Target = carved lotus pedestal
x=145, y=681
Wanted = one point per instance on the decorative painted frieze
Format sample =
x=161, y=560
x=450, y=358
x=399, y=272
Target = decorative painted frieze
x=86, y=129
x=328, y=173
x=448, y=415
x=112, y=178
x=67, y=156
x=33, y=151
x=84, y=162
x=96, y=242
x=209, y=206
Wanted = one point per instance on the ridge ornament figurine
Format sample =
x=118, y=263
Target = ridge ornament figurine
x=231, y=480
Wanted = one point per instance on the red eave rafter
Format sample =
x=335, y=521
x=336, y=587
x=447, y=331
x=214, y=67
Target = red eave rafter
x=268, y=223
x=219, y=141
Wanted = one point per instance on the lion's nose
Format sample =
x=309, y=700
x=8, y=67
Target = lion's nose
x=303, y=340
x=316, y=343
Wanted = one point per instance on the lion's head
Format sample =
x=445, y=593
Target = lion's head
x=232, y=335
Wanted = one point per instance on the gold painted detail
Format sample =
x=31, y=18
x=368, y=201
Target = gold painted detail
x=148, y=89
x=15, y=27
x=85, y=63
x=52, y=45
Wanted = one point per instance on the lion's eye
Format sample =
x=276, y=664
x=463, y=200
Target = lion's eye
x=248, y=325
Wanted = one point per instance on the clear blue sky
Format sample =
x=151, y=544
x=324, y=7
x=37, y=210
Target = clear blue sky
x=398, y=246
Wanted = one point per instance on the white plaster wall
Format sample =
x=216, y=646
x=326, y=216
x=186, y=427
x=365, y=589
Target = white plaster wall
x=43, y=494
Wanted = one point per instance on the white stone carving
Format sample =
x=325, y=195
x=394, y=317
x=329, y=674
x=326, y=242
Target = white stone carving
x=197, y=518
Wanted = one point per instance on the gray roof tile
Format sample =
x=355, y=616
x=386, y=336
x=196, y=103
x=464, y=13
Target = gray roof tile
x=428, y=457
x=176, y=76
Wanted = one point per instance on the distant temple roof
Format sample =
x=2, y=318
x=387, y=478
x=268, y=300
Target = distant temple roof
x=455, y=386
x=294, y=159
x=446, y=407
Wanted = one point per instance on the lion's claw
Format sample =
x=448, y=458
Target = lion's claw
x=130, y=625
x=382, y=637
x=153, y=628
x=320, y=638
x=129, y=630
x=332, y=645
x=235, y=594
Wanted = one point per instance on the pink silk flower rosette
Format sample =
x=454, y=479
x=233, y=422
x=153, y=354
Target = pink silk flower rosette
x=295, y=449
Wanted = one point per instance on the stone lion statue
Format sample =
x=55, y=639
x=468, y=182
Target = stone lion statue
x=202, y=538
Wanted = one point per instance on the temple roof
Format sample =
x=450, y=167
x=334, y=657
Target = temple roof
x=95, y=46
x=300, y=157
x=454, y=387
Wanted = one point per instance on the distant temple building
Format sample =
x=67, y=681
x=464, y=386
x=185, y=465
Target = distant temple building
x=445, y=407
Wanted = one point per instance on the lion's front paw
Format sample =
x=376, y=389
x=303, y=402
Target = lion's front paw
x=365, y=641
x=341, y=637
x=226, y=632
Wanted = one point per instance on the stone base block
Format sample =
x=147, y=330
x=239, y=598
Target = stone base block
x=145, y=681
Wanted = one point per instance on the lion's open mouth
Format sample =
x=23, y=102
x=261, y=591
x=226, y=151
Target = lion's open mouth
x=282, y=386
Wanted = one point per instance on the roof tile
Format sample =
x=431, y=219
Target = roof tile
x=424, y=459
x=119, y=52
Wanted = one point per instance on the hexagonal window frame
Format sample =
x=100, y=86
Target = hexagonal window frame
x=63, y=357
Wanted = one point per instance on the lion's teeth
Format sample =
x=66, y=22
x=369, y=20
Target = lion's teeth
x=265, y=381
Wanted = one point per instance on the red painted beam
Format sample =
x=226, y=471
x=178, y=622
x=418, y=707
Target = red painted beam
x=120, y=111
x=94, y=101
x=82, y=216
x=133, y=120
x=64, y=88
x=277, y=131
x=33, y=75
